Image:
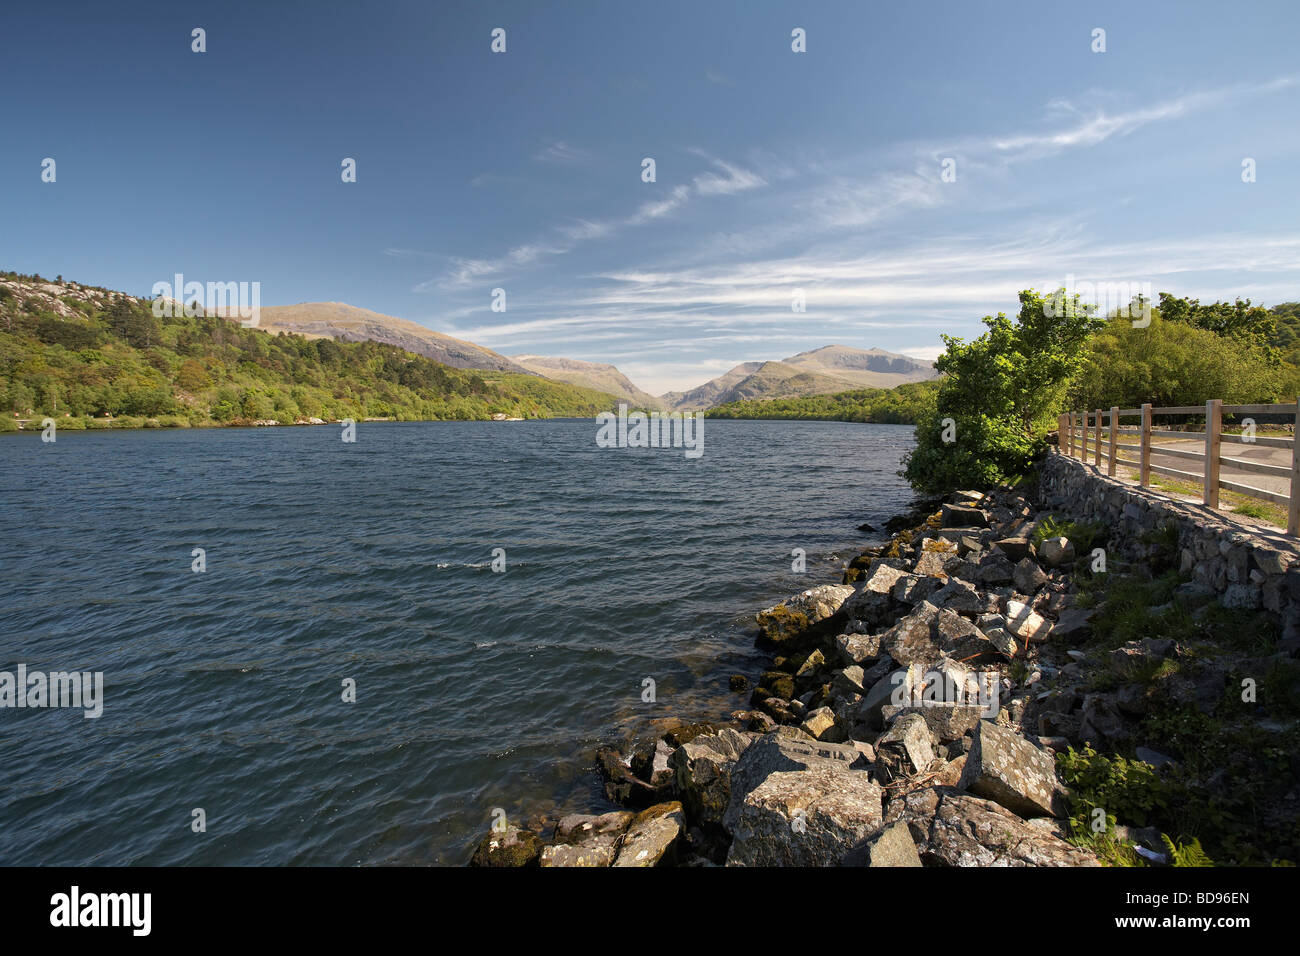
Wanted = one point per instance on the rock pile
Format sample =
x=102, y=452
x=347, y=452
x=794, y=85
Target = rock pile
x=888, y=731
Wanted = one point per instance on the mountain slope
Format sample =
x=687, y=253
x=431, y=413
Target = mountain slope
x=92, y=358
x=874, y=368
x=823, y=371
x=602, y=378
x=341, y=321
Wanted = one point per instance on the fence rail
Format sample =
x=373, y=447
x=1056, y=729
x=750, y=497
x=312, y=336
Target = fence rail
x=1081, y=437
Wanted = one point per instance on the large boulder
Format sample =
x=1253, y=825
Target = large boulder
x=912, y=640
x=874, y=597
x=653, y=836
x=786, y=750
x=1008, y=769
x=936, y=563
x=969, y=831
x=702, y=769
x=796, y=616
x=964, y=516
x=813, y=817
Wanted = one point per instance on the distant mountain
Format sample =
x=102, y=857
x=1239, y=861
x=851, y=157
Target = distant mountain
x=347, y=322
x=823, y=371
x=707, y=395
x=873, y=368
x=594, y=375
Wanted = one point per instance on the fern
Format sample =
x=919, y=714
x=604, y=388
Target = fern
x=1186, y=854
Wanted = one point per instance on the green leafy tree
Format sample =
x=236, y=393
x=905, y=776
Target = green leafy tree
x=999, y=394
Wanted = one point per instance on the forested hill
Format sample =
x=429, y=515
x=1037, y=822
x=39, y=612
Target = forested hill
x=82, y=355
x=901, y=405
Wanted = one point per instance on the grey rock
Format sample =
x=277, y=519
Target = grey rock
x=892, y=846
x=969, y=831
x=1013, y=772
x=814, y=817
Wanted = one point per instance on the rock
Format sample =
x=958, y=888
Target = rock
x=795, y=616
x=969, y=831
x=905, y=750
x=811, y=664
x=961, y=640
x=958, y=596
x=936, y=564
x=1057, y=552
x=1016, y=549
x=513, y=847
x=738, y=683
x=875, y=595
x=652, y=836
x=995, y=569
x=913, y=588
x=788, y=750
x=1028, y=576
x=820, y=723
x=1074, y=624
x=1025, y=623
x=847, y=684
x=895, y=687
x=814, y=817
x=1013, y=772
x=963, y=516
x=912, y=639
x=621, y=784
x=855, y=649
x=586, y=840
x=702, y=769
x=892, y=846
x=947, y=722
x=1154, y=757
x=1004, y=642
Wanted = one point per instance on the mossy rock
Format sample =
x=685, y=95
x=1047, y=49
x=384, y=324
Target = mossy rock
x=738, y=683
x=514, y=847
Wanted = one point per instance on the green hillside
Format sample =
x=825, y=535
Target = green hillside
x=92, y=358
x=901, y=405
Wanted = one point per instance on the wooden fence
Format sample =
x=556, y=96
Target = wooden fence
x=1081, y=436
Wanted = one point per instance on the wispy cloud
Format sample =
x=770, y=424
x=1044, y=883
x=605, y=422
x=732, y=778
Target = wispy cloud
x=561, y=152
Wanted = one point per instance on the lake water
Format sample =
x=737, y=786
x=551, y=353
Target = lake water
x=372, y=562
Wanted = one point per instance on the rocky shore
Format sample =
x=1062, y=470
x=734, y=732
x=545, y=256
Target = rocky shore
x=891, y=728
x=912, y=715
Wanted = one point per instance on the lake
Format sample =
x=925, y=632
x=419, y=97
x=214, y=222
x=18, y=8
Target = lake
x=327, y=563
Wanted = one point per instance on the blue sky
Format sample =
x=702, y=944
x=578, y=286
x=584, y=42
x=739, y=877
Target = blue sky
x=776, y=170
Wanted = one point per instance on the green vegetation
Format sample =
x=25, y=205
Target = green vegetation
x=901, y=405
x=999, y=396
x=1224, y=800
x=1001, y=393
x=115, y=358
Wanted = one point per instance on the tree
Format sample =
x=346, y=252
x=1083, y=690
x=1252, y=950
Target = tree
x=999, y=393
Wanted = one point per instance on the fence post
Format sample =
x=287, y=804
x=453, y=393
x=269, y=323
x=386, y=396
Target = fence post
x=1114, y=439
x=1213, y=429
x=1144, y=455
x=1074, y=441
x=1096, y=444
x=1083, y=430
x=1293, y=506
x=1060, y=432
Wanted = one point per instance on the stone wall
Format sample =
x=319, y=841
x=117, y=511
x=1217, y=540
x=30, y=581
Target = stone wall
x=1246, y=565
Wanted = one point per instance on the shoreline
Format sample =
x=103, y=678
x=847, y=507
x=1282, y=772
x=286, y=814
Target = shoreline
x=902, y=721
